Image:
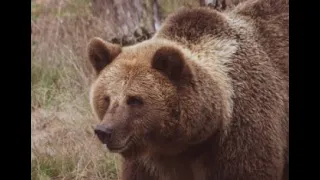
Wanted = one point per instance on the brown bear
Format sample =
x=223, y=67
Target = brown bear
x=206, y=98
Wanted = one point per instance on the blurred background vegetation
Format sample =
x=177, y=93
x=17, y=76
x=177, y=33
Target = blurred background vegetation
x=63, y=143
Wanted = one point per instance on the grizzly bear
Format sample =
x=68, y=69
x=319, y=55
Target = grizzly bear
x=206, y=98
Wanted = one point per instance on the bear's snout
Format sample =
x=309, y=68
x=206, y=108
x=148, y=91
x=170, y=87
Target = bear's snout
x=103, y=133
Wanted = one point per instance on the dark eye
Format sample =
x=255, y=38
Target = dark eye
x=106, y=99
x=134, y=100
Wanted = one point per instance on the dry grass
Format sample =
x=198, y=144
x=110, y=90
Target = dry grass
x=63, y=143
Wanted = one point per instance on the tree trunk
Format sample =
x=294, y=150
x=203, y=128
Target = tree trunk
x=136, y=20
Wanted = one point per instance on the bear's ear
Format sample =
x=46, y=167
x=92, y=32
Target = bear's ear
x=170, y=61
x=102, y=53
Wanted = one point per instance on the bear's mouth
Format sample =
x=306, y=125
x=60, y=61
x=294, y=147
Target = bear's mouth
x=120, y=148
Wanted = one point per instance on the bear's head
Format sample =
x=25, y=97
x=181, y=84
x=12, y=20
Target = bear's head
x=146, y=98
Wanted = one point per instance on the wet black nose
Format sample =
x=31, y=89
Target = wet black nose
x=103, y=133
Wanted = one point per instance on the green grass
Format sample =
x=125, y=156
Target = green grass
x=44, y=82
x=35, y=10
x=51, y=168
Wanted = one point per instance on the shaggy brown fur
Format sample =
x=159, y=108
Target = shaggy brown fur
x=205, y=98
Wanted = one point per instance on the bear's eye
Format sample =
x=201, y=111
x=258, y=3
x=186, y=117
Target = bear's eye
x=106, y=98
x=134, y=100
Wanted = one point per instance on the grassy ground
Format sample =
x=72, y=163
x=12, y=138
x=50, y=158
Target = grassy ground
x=63, y=143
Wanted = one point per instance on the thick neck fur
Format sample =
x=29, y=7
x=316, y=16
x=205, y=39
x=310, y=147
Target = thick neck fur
x=258, y=25
x=196, y=30
x=235, y=42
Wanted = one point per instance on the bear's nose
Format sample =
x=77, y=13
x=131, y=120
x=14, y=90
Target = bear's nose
x=103, y=133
